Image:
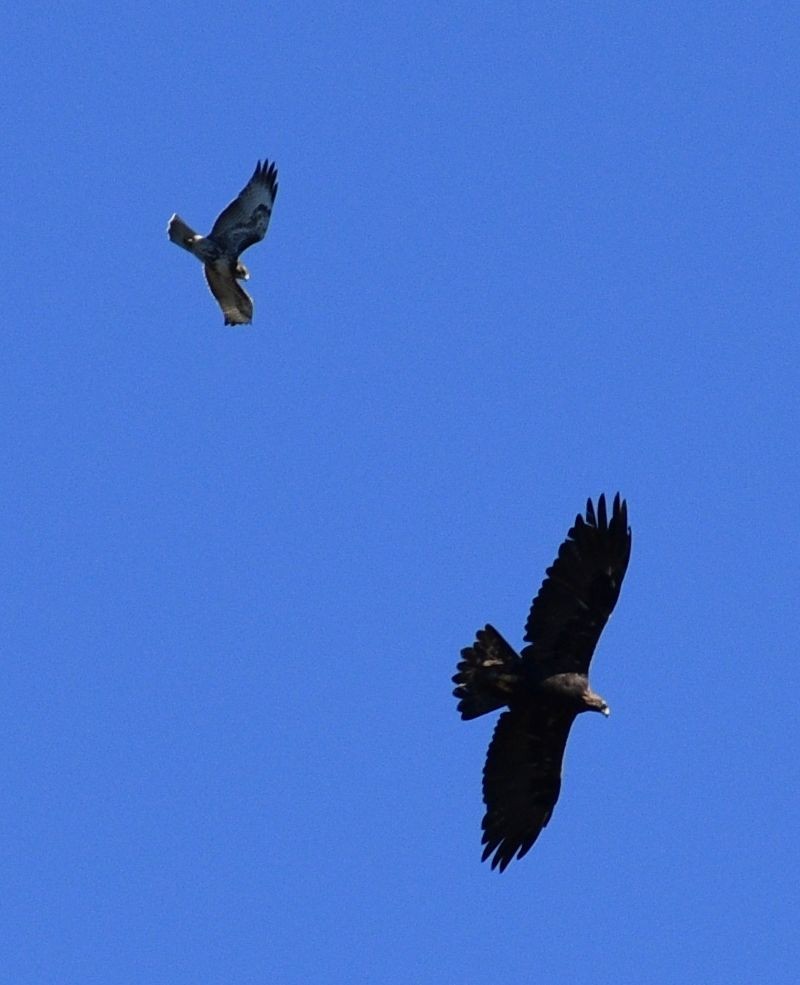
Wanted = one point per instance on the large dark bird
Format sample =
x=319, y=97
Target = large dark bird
x=241, y=224
x=546, y=686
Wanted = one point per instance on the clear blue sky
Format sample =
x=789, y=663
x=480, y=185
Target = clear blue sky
x=521, y=254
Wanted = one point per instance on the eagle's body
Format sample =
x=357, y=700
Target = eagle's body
x=240, y=225
x=546, y=686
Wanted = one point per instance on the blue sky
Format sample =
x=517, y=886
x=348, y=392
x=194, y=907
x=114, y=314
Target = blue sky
x=519, y=256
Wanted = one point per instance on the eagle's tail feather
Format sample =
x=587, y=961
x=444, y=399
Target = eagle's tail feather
x=487, y=674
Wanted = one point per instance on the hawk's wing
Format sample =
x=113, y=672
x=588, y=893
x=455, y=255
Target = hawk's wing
x=580, y=591
x=522, y=778
x=245, y=220
x=236, y=303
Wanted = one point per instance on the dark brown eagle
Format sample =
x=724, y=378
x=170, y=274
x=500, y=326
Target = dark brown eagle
x=238, y=226
x=546, y=686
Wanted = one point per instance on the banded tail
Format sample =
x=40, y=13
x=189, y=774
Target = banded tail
x=487, y=674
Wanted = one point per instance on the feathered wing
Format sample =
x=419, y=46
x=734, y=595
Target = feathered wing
x=522, y=778
x=246, y=219
x=236, y=303
x=580, y=591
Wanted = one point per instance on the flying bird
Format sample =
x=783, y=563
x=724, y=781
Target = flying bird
x=546, y=686
x=238, y=226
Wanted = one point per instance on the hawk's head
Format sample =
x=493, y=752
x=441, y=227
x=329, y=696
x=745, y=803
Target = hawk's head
x=241, y=272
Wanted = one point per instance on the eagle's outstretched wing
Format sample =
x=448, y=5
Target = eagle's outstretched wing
x=580, y=591
x=522, y=777
x=236, y=303
x=245, y=220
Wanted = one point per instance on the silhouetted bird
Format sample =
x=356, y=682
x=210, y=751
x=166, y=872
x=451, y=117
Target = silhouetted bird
x=546, y=686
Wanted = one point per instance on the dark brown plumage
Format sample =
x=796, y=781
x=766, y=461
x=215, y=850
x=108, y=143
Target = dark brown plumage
x=546, y=686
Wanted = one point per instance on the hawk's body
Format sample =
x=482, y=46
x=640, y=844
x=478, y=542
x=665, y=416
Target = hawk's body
x=546, y=686
x=240, y=225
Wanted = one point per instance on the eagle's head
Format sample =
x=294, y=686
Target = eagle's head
x=241, y=272
x=593, y=702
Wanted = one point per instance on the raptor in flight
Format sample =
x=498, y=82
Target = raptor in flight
x=546, y=686
x=238, y=226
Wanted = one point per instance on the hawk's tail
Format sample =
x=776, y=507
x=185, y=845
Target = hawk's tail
x=487, y=674
x=180, y=233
